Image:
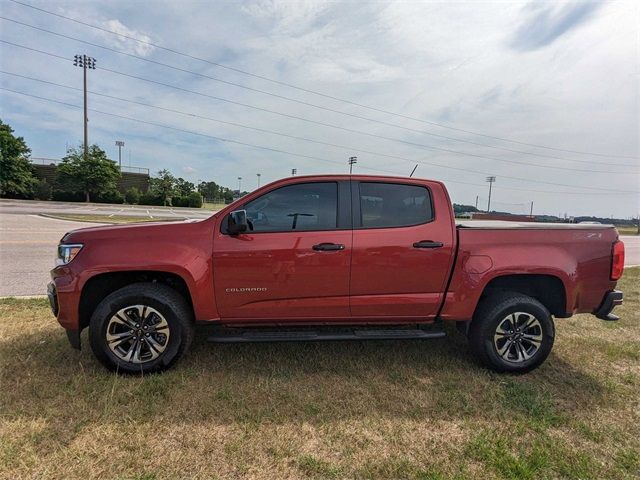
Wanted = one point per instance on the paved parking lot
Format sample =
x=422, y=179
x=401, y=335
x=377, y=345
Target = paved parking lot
x=27, y=251
x=632, y=250
x=52, y=208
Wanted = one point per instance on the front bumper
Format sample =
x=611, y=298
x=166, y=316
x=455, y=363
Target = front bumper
x=610, y=301
x=52, y=295
x=64, y=300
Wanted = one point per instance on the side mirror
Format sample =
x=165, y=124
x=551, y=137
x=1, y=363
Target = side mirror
x=237, y=222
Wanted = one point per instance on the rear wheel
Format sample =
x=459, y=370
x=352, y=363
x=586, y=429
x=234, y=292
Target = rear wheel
x=141, y=328
x=511, y=332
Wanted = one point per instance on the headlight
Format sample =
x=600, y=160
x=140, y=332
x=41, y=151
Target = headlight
x=66, y=253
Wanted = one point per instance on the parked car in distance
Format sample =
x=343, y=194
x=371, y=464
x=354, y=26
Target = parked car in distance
x=332, y=257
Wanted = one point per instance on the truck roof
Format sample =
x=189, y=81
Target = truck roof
x=346, y=176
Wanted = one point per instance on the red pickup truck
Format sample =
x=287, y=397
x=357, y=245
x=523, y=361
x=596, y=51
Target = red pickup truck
x=332, y=257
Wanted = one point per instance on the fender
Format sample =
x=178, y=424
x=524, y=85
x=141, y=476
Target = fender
x=474, y=271
x=182, y=248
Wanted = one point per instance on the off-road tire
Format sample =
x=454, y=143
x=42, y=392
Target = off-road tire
x=167, y=302
x=491, y=313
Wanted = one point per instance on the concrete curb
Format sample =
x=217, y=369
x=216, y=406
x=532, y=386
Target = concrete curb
x=107, y=222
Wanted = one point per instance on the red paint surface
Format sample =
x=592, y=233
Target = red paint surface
x=274, y=278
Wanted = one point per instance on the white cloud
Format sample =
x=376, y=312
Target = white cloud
x=445, y=62
x=121, y=42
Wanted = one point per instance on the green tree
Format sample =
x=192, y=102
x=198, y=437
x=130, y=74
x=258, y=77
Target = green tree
x=163, y=186
x=214, y=192
x=92, y=176
x=16, y=174
x=459, y=208
x=183, y=187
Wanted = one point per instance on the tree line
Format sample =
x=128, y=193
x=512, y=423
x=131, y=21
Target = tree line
x=93, y=177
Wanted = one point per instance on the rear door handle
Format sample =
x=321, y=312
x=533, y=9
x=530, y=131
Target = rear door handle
x=324, y=247
x=427, y=244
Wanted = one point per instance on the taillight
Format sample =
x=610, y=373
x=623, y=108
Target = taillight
x=617, y=262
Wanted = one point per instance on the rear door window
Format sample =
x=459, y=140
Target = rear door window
x=393, y=205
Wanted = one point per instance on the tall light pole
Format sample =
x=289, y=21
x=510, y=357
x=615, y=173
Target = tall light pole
x=85, y=62
x=490, y=180
x=258, y=175
x=294, y=171
x=352, y=162
x=120, y=144
x=239, y=185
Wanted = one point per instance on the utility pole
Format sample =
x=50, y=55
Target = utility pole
x=258, y=175
x=239, y=185
x=490, y=180
x=531, y=210
x=352, y=162
x=477, y=196
x=120, y=144
x=294, y=171
x=85, y=62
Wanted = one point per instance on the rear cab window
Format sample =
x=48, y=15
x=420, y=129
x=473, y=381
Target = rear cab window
x=384, y=205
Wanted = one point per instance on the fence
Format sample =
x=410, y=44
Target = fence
x=54, y=161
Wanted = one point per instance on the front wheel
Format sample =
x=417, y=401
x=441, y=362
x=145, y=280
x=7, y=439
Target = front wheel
x=511, y=332
x=141, y=328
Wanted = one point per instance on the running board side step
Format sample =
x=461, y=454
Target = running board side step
x=254, y=336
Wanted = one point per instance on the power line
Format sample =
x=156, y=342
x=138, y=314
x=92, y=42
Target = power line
x=282, y=97
x=302, y=89
x=222, y=139
x=329, y=125
x=345, y=147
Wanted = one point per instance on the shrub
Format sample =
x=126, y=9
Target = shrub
x=43, y=190
x=132, y=196
x=194, y=200
x=150, y=199
x=111, y=196
x=67, y=196
x=178, y=201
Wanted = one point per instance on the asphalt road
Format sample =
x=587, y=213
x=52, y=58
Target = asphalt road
x=28, y=251
x=631, y=250
x=28, y=247
x=52, y=208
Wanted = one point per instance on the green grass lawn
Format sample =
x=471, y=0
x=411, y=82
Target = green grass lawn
x=625, y=230
x=422, y=410
x=213, y=206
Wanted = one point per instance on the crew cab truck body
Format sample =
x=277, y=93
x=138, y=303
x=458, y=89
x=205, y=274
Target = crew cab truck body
x=329, y=258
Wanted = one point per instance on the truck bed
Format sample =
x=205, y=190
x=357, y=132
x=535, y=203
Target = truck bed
x=578, y=255
x=501, y=224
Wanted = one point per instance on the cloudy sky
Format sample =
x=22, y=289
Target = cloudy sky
x=543, y=95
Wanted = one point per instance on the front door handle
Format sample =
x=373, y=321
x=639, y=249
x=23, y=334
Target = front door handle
x=324, y=247
x=427, y=244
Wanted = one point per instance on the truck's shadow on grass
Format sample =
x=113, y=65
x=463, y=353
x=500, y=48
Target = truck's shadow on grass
x=281, y=383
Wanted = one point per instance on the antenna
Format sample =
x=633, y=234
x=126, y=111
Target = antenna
x=413, y=171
